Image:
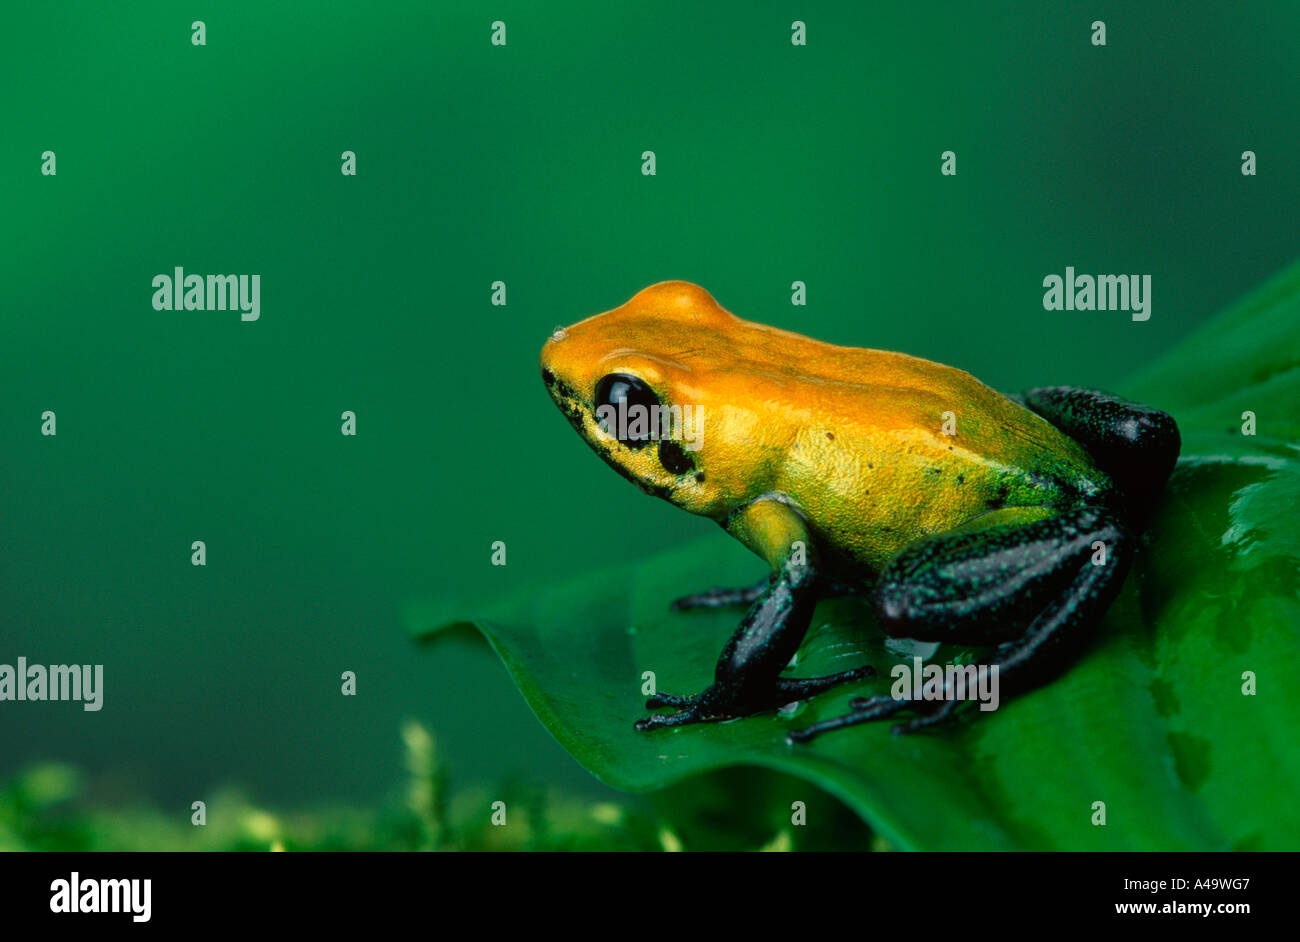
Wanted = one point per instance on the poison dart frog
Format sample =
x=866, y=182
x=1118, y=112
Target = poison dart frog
x=967, y=516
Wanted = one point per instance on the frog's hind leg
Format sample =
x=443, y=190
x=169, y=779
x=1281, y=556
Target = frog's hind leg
x=1032, y=589
x=1134, y=444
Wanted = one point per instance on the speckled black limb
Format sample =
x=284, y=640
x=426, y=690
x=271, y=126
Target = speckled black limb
x=1135, y=445
x=747, y=678
x=726, y=597
x=1031, y=589
x=723, y=597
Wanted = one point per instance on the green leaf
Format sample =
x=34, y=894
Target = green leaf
x=1153, y=721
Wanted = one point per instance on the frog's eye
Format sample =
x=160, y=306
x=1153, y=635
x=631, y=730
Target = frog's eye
x=624, y=422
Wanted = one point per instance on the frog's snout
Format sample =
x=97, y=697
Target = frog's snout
x=550, y=373
x=564, y=396
x=561, y=394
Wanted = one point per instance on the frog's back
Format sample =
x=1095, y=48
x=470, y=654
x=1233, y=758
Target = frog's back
x=860, y=390
x=878, y=448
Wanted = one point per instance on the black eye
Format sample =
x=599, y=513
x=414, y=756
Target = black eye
x=630, y=424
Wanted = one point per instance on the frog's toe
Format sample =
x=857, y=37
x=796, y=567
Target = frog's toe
x=864, y=710
x=667, y=700
x=691, y=714
x=660, y=721
x=712, y=705
x=946, y=711
x=692, y=709
x=881, y=705
x=790, y=689
x=722, y=597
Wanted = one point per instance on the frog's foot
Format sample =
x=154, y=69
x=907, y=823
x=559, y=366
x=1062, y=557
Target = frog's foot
x=716, y=703
x=879, y=707
x=689, y=710
x=722, y=597
x=864, y=710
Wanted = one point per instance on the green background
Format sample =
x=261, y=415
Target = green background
x=477, y=163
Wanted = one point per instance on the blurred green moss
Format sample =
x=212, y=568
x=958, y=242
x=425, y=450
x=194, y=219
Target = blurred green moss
x=47, y=807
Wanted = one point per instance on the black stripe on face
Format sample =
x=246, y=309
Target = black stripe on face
x=674, y=458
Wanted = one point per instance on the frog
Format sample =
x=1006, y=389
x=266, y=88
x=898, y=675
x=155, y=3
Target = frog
x=1005, y=523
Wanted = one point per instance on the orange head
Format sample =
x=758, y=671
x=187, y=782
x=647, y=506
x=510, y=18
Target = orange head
x=639, y=383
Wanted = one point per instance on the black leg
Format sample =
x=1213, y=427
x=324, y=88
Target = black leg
x=1038, y=580
x=747, y=679
x=723, y=597
x=1134, y=444
x=984, y=586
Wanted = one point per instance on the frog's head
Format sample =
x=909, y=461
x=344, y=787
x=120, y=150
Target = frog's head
x=634, y=384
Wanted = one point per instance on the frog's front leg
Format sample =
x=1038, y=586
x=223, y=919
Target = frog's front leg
x=723, y=597
x=726, y=597
x=747, y=678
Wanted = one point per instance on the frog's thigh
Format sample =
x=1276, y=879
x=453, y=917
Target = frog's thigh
x=985, y=582
x=1135, y=444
